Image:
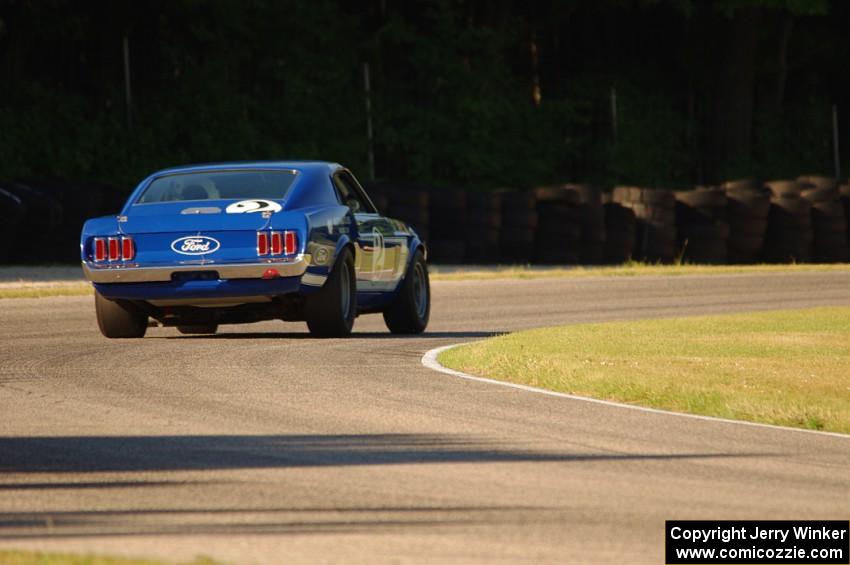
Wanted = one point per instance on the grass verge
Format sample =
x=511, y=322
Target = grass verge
x=44, y=289
x=627, y=270
x=789, y=368
x=39, y=558
x=40, y=289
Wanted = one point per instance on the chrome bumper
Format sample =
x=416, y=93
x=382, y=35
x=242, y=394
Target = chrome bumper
x=132, y=274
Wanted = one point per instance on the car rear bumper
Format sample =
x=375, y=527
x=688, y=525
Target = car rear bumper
x=225, y=271
x=199, y=292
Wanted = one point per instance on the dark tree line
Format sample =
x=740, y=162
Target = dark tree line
x=465, y=92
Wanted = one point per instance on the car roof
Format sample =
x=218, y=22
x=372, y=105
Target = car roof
x=305, y=166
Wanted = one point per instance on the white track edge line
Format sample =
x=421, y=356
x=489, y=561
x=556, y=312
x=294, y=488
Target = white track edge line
x=429, y=360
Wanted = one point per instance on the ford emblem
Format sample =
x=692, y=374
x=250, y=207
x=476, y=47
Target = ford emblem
x=195, y=245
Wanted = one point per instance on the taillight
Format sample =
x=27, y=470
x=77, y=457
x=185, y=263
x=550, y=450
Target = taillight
x=277, y=243
x=114, y=248
x=290, y=240
x=128, y=248
x=262, y=243
x=99, y=249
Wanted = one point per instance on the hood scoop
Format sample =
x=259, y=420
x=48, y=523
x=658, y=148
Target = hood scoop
x=201, y=210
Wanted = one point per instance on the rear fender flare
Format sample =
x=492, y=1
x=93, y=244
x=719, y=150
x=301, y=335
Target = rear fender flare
x=317, y=273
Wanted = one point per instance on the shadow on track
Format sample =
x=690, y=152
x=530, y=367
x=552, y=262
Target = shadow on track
x=354, y=335
x=255, y=521
x=77, y=454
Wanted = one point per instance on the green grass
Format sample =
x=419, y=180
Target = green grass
x=632, y=269
x=789, y=368
x=43, y=290
x=39, y=558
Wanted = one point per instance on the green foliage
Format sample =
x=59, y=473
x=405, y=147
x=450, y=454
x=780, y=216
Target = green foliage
x=795, y=7
x=471, y=121
x=451, y=89
x=651, y=148
x=798, y=141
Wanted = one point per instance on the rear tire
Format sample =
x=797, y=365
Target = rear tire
x=330, y=312
x=410, y=311
x=118, y=320
x=198, y=329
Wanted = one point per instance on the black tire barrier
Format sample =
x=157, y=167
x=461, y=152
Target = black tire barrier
x=701, y=198
x=817, y=181
x=556, y=255
x=749, y=203
x=741, y=221
x=749, y=227
x=410, y=214
x=518, y=200
x=12, y=212
x=745, y=246
x=556, y=194
x=484, y=217
x=784, y=188
x=701, y=226
x=586, y=194
x=789, y=234
x=656, y=197
x=519, y=218
x=452, y=251
x=619, y=233
x=398, y=193
x=447, y=214
x=42, y=221
x=744, y=184
x=818, y=195
x=516, y=252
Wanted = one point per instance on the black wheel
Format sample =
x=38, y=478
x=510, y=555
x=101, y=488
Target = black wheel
x=198, y=329
x=116, y=319
x=330, y=312
x=409, y=313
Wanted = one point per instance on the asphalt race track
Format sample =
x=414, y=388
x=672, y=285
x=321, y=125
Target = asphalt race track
x=260, y=445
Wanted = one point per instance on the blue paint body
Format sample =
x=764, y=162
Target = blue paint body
x=312, y=207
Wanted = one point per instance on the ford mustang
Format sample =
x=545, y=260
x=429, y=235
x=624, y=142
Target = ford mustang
x=203, y=245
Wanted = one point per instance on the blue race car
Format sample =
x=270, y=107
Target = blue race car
x=203, y=245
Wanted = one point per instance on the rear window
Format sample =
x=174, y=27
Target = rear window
x=219, y=185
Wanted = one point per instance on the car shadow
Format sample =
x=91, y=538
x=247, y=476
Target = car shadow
x=354, y=335
x=81, y=454
x=35, y=466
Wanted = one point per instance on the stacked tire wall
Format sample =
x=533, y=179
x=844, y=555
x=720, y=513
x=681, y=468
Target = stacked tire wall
x=447, y=211
x=789, y=228
x=655, y=222
x=41, y=220
x=559, y=223
x=701, y=227
x=829, y=222
x=620, y=225
x=483, y=227
x=519, y=226
x=747, y=209
x=743, y=221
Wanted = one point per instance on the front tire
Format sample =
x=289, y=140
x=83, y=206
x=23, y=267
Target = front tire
x=118, y=320
x=409, y=312
x=330, y=312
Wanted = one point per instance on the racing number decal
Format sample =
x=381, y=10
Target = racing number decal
x=379, y=254
x=249, y=206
